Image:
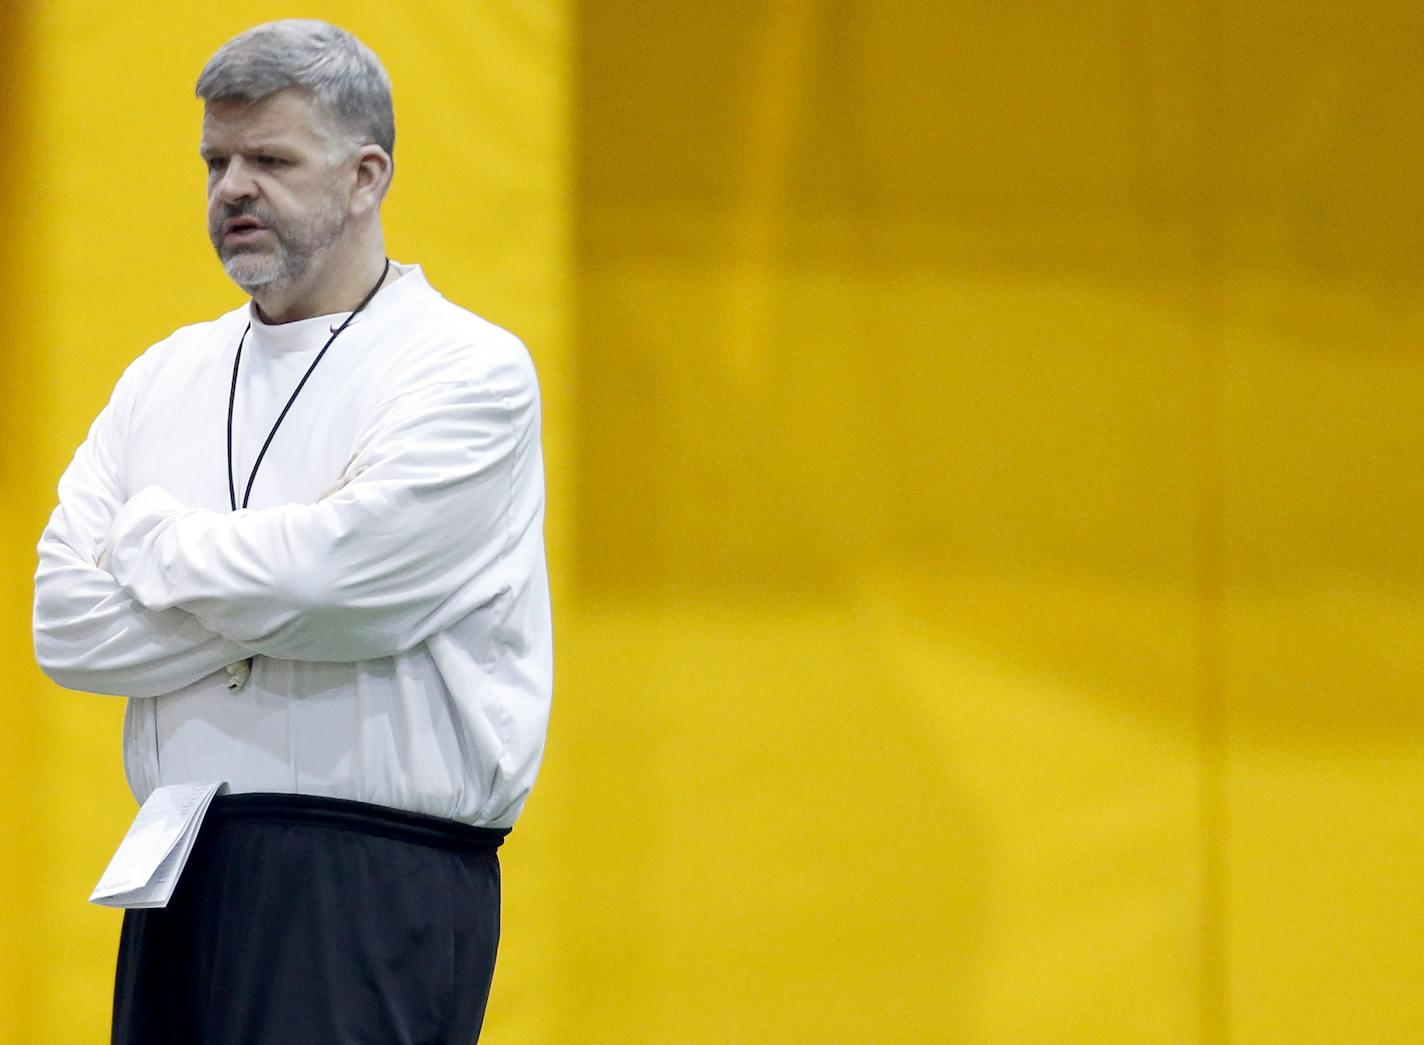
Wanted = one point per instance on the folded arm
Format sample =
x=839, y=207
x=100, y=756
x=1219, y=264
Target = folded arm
x=443, y=486
x=89, y=633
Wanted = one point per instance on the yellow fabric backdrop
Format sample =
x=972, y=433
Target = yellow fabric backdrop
x=984, y=445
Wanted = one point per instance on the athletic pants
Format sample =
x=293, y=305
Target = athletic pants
x=316, y=921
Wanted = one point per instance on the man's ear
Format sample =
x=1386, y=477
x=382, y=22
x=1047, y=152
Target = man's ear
x=374, y=168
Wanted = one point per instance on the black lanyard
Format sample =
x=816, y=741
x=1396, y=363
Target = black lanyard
x=232, y=395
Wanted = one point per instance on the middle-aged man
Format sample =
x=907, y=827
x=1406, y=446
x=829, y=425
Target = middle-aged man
x=305, y=540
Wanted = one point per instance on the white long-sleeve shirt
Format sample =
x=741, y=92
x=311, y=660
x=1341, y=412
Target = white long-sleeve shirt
x=399, y=626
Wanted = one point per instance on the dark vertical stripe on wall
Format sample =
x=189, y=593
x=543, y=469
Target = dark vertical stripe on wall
x=20, y=849
x=15, y=78
x=1211, y=564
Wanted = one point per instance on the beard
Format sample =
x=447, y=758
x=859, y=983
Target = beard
x=296, y=242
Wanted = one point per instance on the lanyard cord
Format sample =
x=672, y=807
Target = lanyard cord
x=232, y=395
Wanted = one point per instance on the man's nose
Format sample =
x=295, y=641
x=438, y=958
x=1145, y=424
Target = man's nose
x=236, y=182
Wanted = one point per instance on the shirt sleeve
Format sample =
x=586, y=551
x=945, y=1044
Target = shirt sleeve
x=444, y=490
x=89, y=633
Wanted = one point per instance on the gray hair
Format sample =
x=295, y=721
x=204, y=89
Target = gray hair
x=342, y=73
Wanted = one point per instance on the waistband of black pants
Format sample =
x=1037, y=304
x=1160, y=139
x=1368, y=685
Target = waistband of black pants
x=364, y=817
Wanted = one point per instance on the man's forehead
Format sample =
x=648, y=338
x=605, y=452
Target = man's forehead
x=287, y=114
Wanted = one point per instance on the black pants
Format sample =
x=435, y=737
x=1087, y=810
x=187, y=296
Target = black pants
x=314, y=921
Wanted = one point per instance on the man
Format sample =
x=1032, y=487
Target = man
x=305, y=541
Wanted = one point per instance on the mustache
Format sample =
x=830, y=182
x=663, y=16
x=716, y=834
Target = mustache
x=245, y=209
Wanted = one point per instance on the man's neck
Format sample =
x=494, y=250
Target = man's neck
x=323, y=291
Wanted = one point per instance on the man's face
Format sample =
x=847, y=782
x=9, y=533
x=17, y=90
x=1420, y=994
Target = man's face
x=277, y=194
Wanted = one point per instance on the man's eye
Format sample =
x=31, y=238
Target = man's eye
x=216, y=164
x=270, y=161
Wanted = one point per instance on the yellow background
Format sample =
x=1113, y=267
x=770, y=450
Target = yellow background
x=984, y=446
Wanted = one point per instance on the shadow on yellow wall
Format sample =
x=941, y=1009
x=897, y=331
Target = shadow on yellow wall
x=997, y=440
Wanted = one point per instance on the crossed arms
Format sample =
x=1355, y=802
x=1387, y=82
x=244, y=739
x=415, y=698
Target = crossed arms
x=443, y=485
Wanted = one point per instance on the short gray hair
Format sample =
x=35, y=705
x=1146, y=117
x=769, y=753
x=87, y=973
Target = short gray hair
x=342, y=73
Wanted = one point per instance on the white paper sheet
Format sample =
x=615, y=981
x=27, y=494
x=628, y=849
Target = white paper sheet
x=149, y=860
